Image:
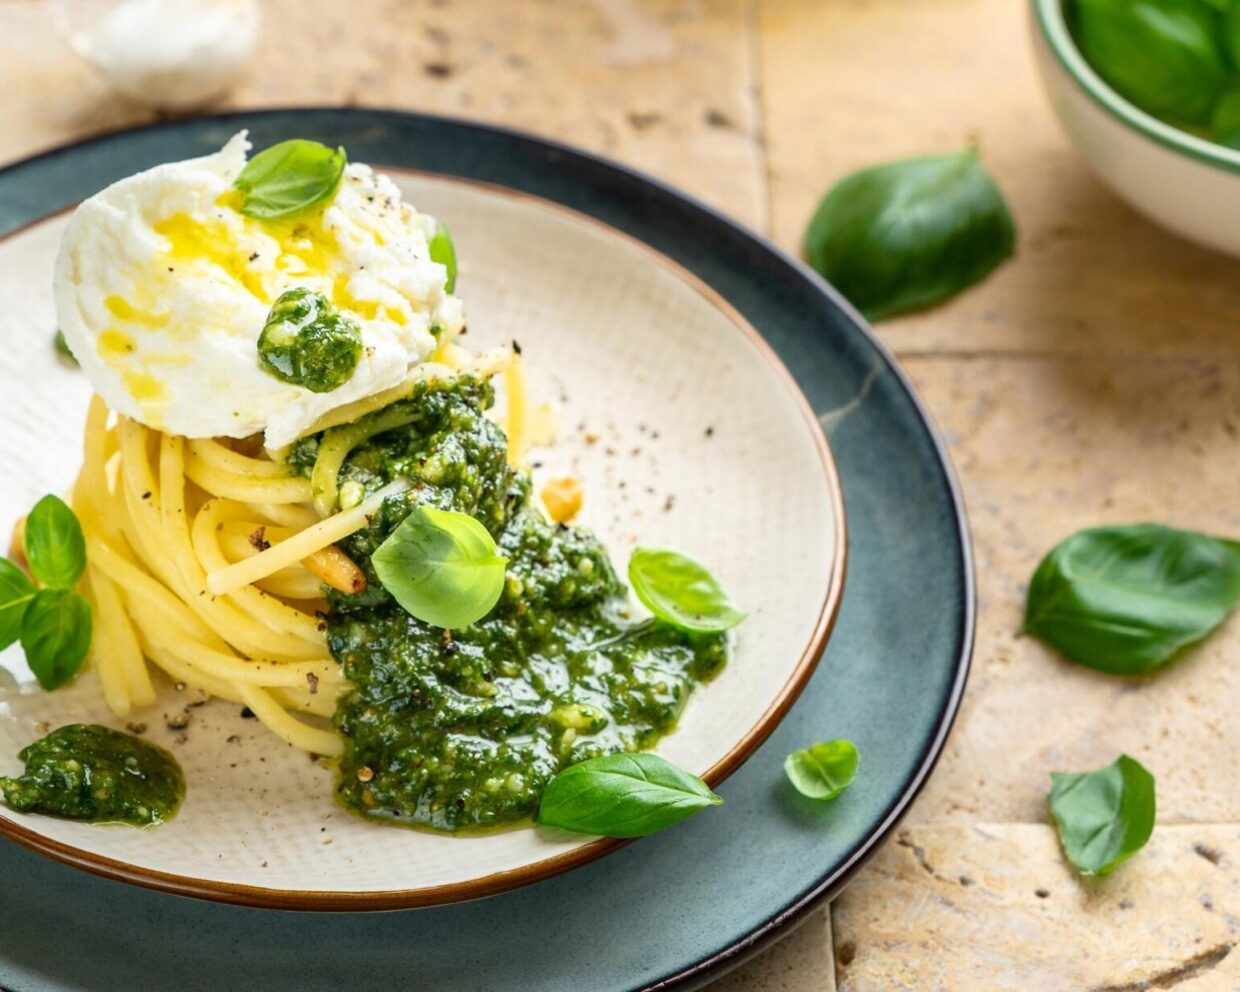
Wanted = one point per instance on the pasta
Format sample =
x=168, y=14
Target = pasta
x=209, y=562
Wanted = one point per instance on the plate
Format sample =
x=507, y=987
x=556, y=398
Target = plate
x=673, y=909
x=664, y=400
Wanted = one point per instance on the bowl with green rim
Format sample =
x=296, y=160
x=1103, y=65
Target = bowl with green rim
x=1185, y=183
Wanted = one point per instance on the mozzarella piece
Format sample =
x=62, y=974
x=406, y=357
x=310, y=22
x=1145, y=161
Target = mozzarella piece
x=162, y=288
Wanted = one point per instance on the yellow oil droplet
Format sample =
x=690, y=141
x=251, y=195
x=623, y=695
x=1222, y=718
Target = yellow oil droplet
x=342, y=298
x=143, y=386
x=122, y=309
x=191, y=241
x=114, y=344
x=234, y=199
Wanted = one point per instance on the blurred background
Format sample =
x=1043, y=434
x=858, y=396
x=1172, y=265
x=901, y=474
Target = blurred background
x=1091, y=380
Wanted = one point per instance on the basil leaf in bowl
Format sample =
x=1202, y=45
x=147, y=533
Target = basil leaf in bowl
x=1104, y=816
x=1124, y=600
x=56, y=631
x=910, y=234
x=1166, y=56
x=623, y=795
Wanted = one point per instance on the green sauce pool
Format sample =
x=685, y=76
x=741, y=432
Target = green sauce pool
x=88, y=772
x=464, y=729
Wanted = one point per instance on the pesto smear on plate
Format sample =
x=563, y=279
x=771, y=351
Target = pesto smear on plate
x=464, y=728
x=93, y=773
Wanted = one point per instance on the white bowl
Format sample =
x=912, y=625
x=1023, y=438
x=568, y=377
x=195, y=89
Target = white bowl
x=686, y=431
x=1187, y=184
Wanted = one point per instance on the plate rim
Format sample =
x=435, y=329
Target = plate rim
x=338, y=900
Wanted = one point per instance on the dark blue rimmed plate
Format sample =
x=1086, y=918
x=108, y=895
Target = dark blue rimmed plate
x=672, y=910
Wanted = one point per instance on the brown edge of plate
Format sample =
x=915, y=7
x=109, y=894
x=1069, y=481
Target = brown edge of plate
x=438, y=895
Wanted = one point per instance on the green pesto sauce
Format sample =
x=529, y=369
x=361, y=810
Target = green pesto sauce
x=308, y=342
x=88, y=772
x=465, y=729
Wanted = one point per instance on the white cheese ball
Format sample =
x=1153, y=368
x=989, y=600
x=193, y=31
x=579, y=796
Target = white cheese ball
x=162, y=288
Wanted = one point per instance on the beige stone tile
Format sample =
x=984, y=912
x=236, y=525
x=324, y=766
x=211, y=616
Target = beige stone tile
x=996, y=908
x=665, y=85
x=849, y=83
x=802, y=962
x=1045, y=447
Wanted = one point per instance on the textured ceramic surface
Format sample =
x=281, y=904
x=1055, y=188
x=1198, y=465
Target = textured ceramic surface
x=673, y=909
x=685, y=432
x=1185, y=183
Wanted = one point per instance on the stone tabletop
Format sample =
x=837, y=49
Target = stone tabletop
x=1095, y=379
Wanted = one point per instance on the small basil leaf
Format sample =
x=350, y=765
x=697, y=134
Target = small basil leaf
x=623, y=795
x=16, y=592
x=910, y=234
x=55, y=547
x=679, y=591
x=1163, y=55
x=823, y=770
x=1104, y=816
x=1125, y=599
x=56, y=635
x=62, y=347
x=441, y=566
x=289, y=177
x=443, y=251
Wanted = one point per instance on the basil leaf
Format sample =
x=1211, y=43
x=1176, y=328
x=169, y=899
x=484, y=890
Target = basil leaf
x=62, y=347
x=55, y=547
x=1104, y=816
x=909, y=234
x=1163, y=55
x=823, y=770
x=680, y=592
x=289, y=177
x=56, y=635
x=1125, y=599
x=16, y=592
x=443, y=251
x=1225, y=120
x=623, y=795
x=441, y=566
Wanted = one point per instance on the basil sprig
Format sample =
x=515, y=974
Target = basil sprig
x=623, y=795
x=53, y=623
x=1166, y=56
x=1124, y=600
x=824, y=769
x=1104, y=816
x=443, y=251
x=443, y=567
x=289, y=177
x=681, y=592
x=910, y=234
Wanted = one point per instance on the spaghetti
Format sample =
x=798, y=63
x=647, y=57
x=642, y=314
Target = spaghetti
x=209, y=562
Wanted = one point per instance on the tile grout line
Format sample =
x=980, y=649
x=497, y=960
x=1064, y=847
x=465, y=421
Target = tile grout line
x=757, y=96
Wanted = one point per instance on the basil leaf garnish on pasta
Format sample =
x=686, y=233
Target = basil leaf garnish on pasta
x=56, y=631
x=442, y=566
x=16, y=592
x=623, y=795
x=289, y=177
x=681, y=592
x=55, y=547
